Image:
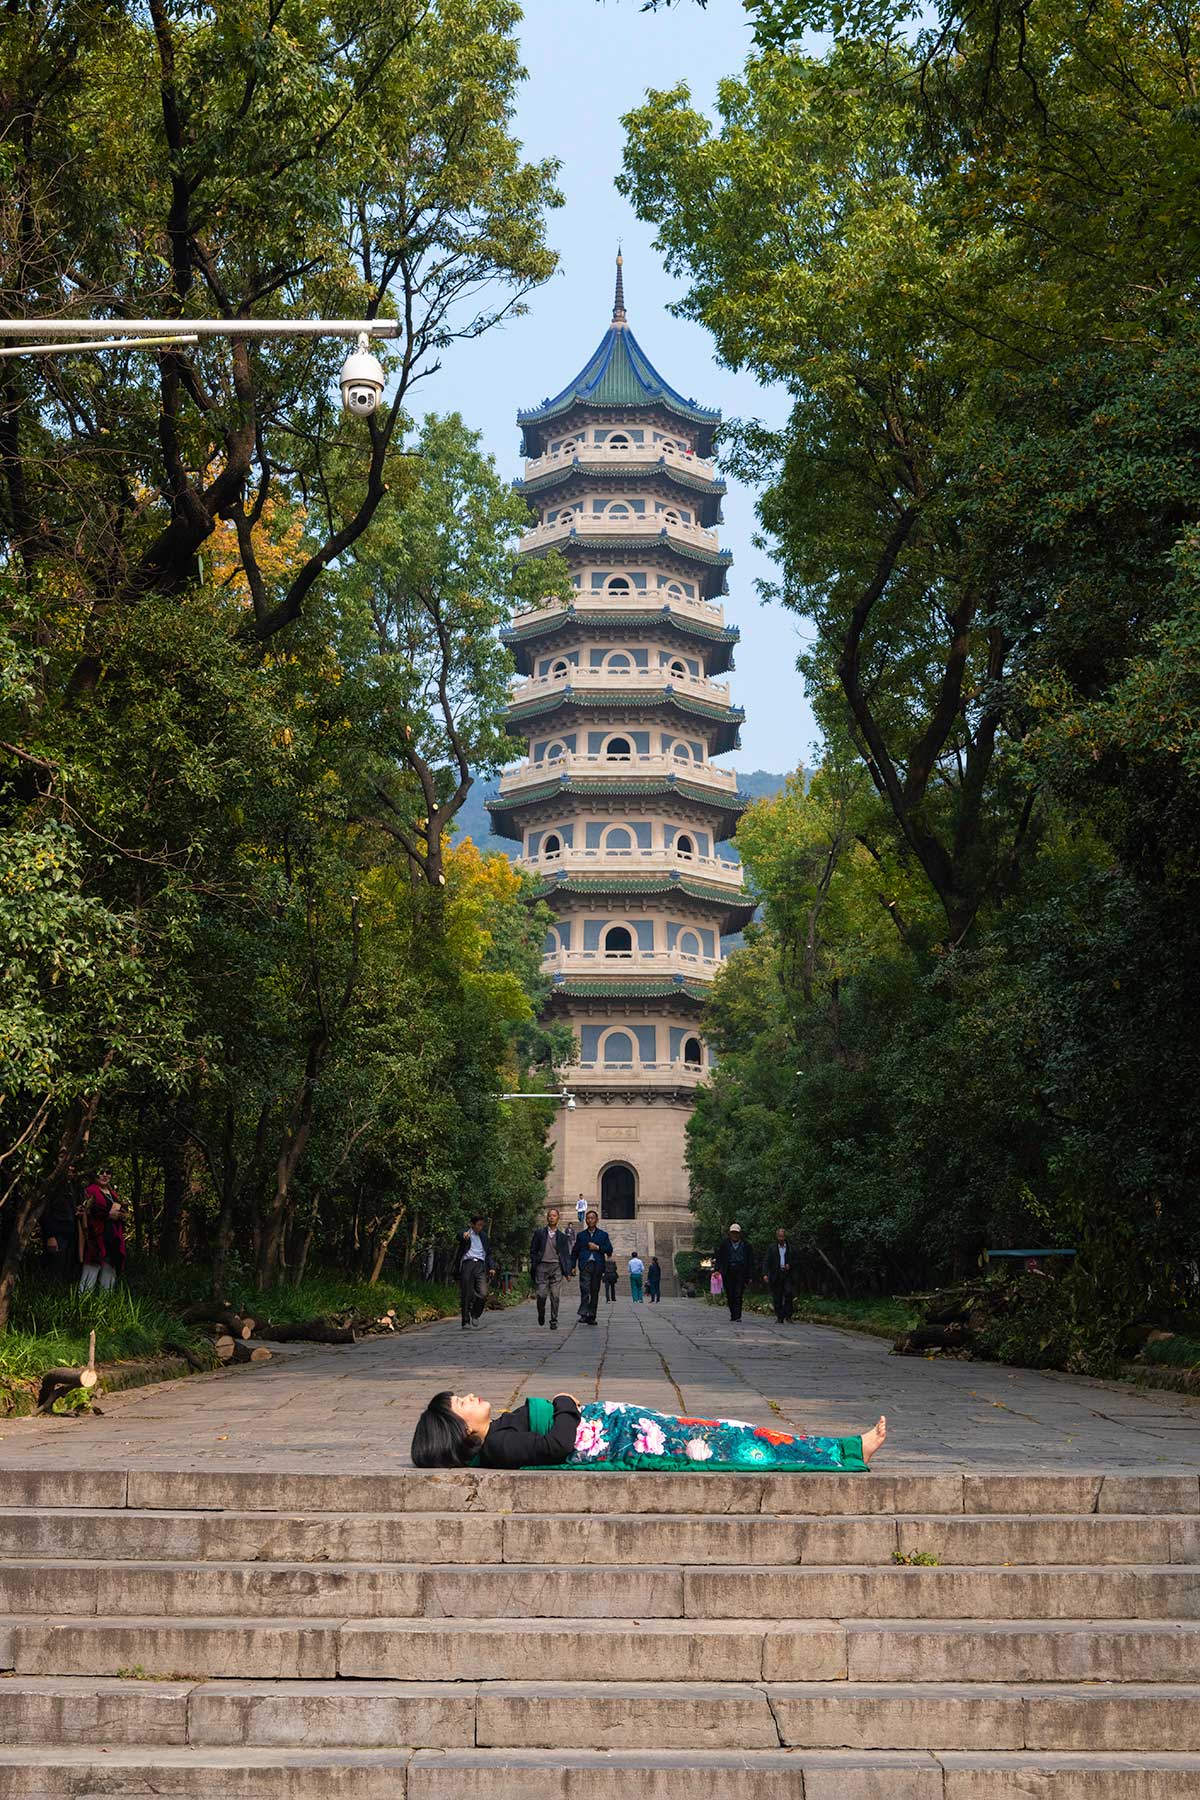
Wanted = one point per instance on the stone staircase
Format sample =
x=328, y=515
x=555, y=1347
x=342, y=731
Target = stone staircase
x=289, y=1636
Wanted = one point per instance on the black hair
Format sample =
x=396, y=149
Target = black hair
x=441, y=1440
x=479, y=1218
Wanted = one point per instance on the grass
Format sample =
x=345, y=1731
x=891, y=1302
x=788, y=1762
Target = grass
x=1180, y=1352
x=50, y=1322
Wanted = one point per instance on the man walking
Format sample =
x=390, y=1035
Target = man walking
x=549, y=1265
x=734, y=1263
x=637, y=1269
x=589, y=1253
x=780, y=1277
x=610, y=1279
x=472, y=1263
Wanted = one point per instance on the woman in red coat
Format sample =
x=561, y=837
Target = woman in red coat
x=103, y=1234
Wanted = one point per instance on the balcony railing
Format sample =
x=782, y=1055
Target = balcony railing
x=641, y=862
x=649, y=600
x=643, y=1074
x=599, y=680
x=636, y=962
x=704, y=774
x=632, y=453
x=636, y=525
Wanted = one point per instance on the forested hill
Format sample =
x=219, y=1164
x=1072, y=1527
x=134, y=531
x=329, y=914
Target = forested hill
x=473, y=819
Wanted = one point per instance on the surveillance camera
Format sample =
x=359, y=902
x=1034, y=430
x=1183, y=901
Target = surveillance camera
x=362, y=380
x=571, y=1104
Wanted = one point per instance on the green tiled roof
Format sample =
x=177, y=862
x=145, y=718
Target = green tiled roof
x=610, y=697
x=736, y=905
x=631, y=471
x=524, y=640
x=505, y=806
x=623, y=988
x=620, y=374
x=601, y=540
x=627, y=621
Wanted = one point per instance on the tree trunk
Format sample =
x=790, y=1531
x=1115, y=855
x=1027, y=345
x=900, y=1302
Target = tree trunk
x=384, y=1245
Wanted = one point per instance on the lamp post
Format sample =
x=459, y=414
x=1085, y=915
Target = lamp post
x=362, y=378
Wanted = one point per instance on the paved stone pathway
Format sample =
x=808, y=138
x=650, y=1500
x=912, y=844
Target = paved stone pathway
x=350, y=1409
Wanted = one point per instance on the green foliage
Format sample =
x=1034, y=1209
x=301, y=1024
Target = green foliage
x=962, y=242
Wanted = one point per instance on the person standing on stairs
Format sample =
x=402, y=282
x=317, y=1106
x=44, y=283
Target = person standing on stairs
x=589, y=1253
x=549, y=1265
x=735, y=1264
x=473, y=1263
x=637, y=1270
x=654, y=1280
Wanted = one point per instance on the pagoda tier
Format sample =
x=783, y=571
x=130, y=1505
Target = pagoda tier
x=619, y=806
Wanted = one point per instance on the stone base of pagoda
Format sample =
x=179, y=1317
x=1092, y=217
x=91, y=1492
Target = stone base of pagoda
x=618, y=1145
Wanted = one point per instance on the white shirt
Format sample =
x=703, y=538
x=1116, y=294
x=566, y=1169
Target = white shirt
x=475, y=1247
x=636, y=1265
x=782, y=1249
x=581, y=1210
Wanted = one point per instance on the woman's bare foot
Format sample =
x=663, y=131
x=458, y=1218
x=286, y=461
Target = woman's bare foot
x=873, y=1438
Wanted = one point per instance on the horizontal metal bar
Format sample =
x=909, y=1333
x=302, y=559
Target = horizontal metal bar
x=65, y=348
x=65, y=328
x=989, y=1254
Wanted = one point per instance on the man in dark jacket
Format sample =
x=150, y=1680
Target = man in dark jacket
x=589, y=1253
x=473, y=1262
x=780, y=1276
x=735, y=1264
x=549, y=1265
x=60, y=1235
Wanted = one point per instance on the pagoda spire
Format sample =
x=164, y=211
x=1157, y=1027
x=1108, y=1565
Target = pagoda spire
x=618, y=317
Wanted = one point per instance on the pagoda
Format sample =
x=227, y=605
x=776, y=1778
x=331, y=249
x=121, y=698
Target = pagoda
x=620, y=807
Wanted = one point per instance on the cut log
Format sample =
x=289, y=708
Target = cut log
x=250, y=1353
x=313, y=1331
x=224, y=1347
x=57, y=1382
x=210, y=1313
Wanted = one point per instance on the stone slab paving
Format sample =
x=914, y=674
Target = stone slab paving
x=346, y=1410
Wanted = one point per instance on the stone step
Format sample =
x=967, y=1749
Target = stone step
x=604, y=1715
x=137, y=1773
x=572, y=1492
x=678, y=1538
x=899, y=1651
x=515, y=1590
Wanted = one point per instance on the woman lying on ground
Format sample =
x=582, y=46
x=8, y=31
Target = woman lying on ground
x=458, y=1431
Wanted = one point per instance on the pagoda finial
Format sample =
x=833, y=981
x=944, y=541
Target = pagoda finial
x=618, y=317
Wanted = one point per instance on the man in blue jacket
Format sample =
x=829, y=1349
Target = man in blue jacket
x=588, y=1253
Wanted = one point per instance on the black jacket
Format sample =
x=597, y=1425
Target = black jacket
x=537, y=1244
x=510, y=1444
x=589, y=1245
x=460, y=1249
x=772, y=1271
x=743, y=1272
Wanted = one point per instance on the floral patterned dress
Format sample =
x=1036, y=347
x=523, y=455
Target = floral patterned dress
x=614, y=1435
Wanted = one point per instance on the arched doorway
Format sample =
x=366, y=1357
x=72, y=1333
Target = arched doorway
x=618, y=1192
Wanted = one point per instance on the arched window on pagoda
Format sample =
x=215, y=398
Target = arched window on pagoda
x=688, y=944
x=693, y=1055
x=617, y=841
x=618, y=941
x=551, y=845
x=618, y=749
x=560, y=668
x=618, y=584
x=684, y=845
x=618, y=662
x=616, y=1052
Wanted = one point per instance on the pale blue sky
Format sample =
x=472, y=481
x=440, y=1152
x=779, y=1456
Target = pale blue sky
x=590, y=62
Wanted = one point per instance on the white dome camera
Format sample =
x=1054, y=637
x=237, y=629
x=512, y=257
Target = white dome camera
x=362, y=380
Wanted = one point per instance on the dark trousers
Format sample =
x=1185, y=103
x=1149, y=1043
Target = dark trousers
x=472, y=1288
x=589, y=1288
x=784, y=1299
x=610, y=1288
x=653, y=1294
x=735, y=1288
